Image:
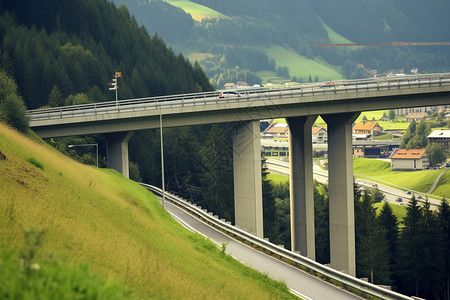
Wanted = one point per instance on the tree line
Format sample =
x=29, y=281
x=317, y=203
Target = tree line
x=415, y=137
x=43, y=45
x=412, y=255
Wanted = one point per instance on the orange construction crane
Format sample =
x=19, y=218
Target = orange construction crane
x=390, y=44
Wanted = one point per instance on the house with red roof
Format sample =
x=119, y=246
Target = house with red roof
x=409, y=160
x=319, y=135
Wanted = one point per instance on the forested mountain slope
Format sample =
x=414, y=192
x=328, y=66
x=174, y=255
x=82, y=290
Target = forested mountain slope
x=76, y=46
x=245, y=30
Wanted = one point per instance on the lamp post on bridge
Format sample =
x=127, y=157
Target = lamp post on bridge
x=86, y=145
x=162, y=158
x=115, y=86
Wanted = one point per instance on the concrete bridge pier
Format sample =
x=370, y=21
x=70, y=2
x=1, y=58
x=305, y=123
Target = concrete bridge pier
x=117, y=151
x=247, y=178
x=340, y=186
x=301, y=185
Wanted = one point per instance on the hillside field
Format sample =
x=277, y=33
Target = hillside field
x=197, y=11
x=420, y=181
x=99, y=218
x=300, y=66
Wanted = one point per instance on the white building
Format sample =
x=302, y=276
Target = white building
x=319, y=135
x=440, y=137
x=409, y=160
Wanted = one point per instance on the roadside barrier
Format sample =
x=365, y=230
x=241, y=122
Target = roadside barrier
x=345, y=281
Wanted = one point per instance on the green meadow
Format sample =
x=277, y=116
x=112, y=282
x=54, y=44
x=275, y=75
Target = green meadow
x=197, y=11
x=52, y=207
x=301, y=66
x=420, y=181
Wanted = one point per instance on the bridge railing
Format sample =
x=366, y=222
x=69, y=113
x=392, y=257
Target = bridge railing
x=340, y=279
x=246, y=95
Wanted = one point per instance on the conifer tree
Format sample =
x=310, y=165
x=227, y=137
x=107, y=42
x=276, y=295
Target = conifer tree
x=55, y=97
x=409, y=250
x=218, y=174
x=372, y=259
x=322, y=223
x=389, y=223
x=444, y=224
x=271, y=226
x=432, y=254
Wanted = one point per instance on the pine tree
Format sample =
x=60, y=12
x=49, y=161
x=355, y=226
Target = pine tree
x=377, y=195
x=322, y=223
x=409, y=251
x=372, y=259
x=389, y=223
x=432, y=258
x=55, y=97
x=218, y=174
x=271, y=226
x=444, y=224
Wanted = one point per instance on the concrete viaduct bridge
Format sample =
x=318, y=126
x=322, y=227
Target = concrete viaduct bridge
x=339, y=104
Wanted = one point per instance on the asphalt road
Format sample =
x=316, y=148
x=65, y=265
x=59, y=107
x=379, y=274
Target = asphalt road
x=391, y=194
x=302, y=284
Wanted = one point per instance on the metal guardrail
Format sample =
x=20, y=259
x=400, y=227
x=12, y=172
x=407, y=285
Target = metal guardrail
x=340, y=279
x=251, y=94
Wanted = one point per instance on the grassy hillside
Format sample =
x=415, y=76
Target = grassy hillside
x=333, y=36
x=300, y=66
x=113, y=225
x=197, y=11
x=420, y=181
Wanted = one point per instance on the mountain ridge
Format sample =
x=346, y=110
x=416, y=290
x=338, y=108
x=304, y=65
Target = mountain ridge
x=298, y=25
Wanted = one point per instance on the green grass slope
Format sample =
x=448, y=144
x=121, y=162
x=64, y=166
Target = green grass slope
x=301, y=66
x=116, y=227
x=420, y=181
x=197, y=11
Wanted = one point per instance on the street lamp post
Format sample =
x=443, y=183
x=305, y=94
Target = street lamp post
x=114, y=85
x=86, y=145
x=162, y=158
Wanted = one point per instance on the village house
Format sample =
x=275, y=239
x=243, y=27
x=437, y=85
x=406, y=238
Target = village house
x=230, y=85
x=241, y=84
x=416, y=116
x=412, y=110
x=319, y=135
x=364, y=130
x=409, y=160
x=440, y=137
x=371, y=151
x=276, y=130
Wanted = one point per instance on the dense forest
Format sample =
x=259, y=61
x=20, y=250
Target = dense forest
x=250, y=26
x=77, y=47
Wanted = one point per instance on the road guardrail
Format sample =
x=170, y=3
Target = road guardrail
x=250, y=94
x=350, y=283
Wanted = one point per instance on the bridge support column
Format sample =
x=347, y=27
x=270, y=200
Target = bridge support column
x=247, y=178
x=340, y=186
x=117, y=151
x=301, y=185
